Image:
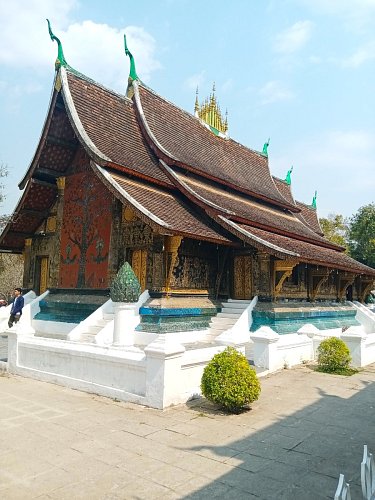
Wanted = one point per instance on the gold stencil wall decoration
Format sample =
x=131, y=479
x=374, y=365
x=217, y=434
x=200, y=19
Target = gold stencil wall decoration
x=51, y=224
x=139, y=265
x=242, y=271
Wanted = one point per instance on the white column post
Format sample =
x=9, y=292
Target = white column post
x=125, y=321
x=265, y=348
x=356, y=346
x=164, y=382
x=12, y=350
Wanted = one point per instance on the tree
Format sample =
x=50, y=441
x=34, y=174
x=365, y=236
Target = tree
x=11, y=273
x=335, y=229
x=11, y=266
x=3, y=173
x=362, y=235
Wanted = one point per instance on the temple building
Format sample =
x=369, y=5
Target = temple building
x=198, y=215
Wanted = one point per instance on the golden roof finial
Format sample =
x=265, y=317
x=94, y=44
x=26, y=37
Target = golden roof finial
x=210, y=113
x=196, y=106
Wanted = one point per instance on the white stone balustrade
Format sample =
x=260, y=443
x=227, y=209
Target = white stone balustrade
x=367, y=475
x=343, y=489
x=273, y=351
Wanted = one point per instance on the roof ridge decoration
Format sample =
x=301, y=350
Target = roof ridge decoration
x=60, y=60
x=313, y=203
x=210, y=115
x=288, y=178
x=265, y=148
x=132, y=72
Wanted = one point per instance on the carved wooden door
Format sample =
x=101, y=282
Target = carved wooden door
x=242, y=277
x=139, y=265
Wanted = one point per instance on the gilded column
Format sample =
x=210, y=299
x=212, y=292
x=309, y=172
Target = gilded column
x=27, y=283
x=55, y=257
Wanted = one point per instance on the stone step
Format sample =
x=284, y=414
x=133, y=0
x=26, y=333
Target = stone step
x=223, y=321
x=228, y=315
x=232, y=310
x=108, y=316
x=234, y=305
x=87, y=337
x=94, y=329
x=237, y=301
x=219, y=328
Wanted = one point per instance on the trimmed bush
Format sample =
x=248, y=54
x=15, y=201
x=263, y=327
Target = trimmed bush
x=333, y=355
x=229, y=380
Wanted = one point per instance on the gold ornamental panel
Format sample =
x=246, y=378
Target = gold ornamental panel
x=242, y=277
x=43, y=274
x=128, y=214
x=139, y=265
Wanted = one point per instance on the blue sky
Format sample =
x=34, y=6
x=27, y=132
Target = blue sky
x=301, y=72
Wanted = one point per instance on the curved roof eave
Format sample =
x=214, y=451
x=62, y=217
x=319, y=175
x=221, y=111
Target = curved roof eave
x=255, y=240
x=119, y=192
x=159, y=148
x=192, y=195
x=76, y=123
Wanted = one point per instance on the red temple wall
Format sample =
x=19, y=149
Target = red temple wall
x=86, y=230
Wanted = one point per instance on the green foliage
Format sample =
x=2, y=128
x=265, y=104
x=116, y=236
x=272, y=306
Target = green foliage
x=362, y=235
x=229, y=381
x=333, y=355
x=335, y=229
x=125, y=287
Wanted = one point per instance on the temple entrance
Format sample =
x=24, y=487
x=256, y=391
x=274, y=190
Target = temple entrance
x=349, y=293
x=242, y=277
x=139, y=265
x=41, y=275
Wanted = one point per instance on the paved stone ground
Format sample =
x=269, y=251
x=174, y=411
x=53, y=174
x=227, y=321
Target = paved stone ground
x=306, y=428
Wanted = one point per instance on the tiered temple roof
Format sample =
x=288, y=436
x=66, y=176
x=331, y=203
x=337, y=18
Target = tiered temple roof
x=178, y=176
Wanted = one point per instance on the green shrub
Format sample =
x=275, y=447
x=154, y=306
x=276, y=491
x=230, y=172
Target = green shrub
x=229, y=381
x=333, y=355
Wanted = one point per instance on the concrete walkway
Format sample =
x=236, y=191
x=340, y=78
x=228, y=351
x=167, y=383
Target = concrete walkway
x=306, y=428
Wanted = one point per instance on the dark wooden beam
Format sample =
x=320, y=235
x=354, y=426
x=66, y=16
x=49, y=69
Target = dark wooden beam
x=44, y=183
x=20, y=233
x=30, y=211
x=48, y=171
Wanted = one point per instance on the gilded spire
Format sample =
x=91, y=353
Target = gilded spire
x=313, y=204
x=288, y=178
x=209, y=112
x=60, y=60
x=132, y=73
x=265, y=147
x=196, y=106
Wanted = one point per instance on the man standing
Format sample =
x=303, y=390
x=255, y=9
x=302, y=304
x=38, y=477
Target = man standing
x=16, y=310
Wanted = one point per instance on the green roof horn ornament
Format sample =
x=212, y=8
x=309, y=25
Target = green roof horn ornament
x=265, y=148
x=288, y=178
x=60, y=61
x=132, y=73
x=313, y=204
